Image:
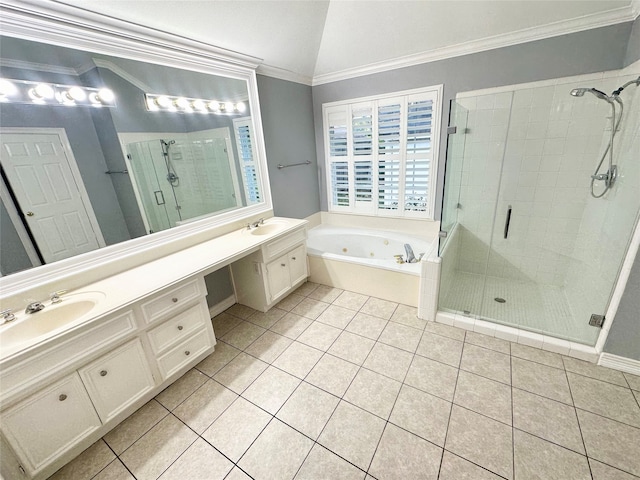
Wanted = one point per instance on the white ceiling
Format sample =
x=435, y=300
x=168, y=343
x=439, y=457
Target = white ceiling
x=314, y=41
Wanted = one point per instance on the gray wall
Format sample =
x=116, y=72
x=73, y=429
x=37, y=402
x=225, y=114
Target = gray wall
x=287, y=121
x=633, y=47
x=219, y=286
x=590, y=51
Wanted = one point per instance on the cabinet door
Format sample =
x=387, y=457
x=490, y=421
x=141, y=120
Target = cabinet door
x=298, y=264
x=117, y=379
x=278, y=277
x=48, y=423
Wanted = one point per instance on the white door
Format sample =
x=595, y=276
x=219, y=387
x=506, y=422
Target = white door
x=38, y=170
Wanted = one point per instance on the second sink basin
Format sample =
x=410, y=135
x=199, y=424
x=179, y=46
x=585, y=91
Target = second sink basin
x=26, y=327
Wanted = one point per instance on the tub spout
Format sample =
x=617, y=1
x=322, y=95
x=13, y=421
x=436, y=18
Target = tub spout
x=411, y=258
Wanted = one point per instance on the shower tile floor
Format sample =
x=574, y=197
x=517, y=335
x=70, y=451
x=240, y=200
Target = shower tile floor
x=336, y=385
x=536, y=307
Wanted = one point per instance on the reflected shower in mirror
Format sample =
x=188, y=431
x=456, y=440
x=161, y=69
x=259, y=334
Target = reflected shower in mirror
x=172, y=146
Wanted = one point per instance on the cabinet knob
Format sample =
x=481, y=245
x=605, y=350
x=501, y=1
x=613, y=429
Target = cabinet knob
x=174, y=299
x=187, y=352
x=62, y=397
x=293, y=258
x=283, y=265
x=180, y=327
x=103, y=373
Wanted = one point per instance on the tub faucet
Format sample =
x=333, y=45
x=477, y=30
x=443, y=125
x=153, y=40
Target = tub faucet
x=411, y=258
x=34, y=307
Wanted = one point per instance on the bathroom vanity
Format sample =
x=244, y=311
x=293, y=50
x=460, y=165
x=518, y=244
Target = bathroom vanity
x=65, y=388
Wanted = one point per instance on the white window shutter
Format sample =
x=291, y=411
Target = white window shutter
x=247, y=154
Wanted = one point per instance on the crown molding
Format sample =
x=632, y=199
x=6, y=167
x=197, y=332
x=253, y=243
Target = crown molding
x=38, y=67
x=564, y=27
x=99, y=62
x=282, y=74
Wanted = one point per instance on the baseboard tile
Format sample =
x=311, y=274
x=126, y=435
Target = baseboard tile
x=623, y=364
x=220, y=307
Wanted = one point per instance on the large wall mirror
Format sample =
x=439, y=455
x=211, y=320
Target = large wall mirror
x=98, y=149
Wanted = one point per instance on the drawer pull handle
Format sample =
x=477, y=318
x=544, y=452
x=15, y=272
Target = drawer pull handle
x=283, y=265
x=174, y=299
x=62, y=397
x=103, y=373
x=180, y=327
x=293, y=258
x=187, y=352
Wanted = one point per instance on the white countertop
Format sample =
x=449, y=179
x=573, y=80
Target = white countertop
x=128, y=287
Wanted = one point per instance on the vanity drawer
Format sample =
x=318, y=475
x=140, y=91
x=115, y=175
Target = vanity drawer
x=278, y=247
x=184, y=353
x=173, y=300
x=178, y=328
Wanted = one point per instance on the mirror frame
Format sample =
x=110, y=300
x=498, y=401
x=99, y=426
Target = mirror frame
x=72, y=27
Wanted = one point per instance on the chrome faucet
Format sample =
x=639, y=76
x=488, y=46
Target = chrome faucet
x=34, y=307
x=55, y=296
x=256, y=224
x=7, y=316
x=411, y=258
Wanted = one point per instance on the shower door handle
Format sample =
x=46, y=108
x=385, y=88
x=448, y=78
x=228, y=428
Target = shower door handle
x=159, y=199
x=507, y=222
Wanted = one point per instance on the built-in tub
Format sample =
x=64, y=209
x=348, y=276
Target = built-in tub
x=362, y=261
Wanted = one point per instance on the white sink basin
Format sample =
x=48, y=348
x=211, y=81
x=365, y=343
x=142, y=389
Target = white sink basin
x=30, y=326
x=268, y=227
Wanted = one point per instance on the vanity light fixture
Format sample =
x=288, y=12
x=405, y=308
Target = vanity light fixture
x=42, y=93
x=169, y=103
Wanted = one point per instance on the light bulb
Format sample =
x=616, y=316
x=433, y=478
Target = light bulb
x=228, y=107
x=182, y=103
x=241, y=107
x=199, y=105
x=105, y=95
x=7, y=89
x=214, y=106
x=77, y=94
x=41, y=91
x=163, y=101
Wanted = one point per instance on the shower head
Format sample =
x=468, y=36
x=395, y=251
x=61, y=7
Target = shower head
x=579, y=92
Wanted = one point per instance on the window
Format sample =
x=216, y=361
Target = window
x=248, y=166
x=381, y=153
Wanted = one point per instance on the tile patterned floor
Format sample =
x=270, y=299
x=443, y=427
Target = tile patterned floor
x=337, y=385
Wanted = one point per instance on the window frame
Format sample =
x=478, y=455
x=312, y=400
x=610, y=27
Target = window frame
x=345, y=108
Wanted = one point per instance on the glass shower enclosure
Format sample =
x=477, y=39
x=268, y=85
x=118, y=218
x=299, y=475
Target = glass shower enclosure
x=527, y=244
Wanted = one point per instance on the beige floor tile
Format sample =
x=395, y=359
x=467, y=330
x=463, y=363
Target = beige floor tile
x=402, y=455
x=542, y=380
x=408, y=316
x=321, y=463
x=373, y=392
x=632, y=380
x=432, y=377
x=130, y=430
x=200, y=460
x=389, y=361
x=325, y=293
x=240, y=372
x=605, y=399
x=306, y=289
x=592, y=370
x=486, y=363
x=277, y=453
x=267, y=319
x=269, y=346
x=421, y=413
x=291, y=325
x=271, y=389
x=298, y=359
x=332, y=374
x=237, y=474
x=481, y=440
x=320, y=336
x=442, y=349
x=114, y=471
x=351, y=300
x=535, y=458
x=310, y=308
x=379, y=308
x=456, y=468
x=611, y=442
x=537, y=355
x=492, y=343
x=353, y=434
x=204, y=406
x=222, y=355
x=351, y=347
x=484, y=396
x=308, y=409
x=224, y=323
x=86, y=465
x=180, y=390
x=240, y=311
x=289, y=302
x=336, y=316
x=445, y=330
x=401, y=336
x=600, y=471
x=158, y=448
x=367, y=325
x=548, y=419
x=236, y=429
x=243, y=335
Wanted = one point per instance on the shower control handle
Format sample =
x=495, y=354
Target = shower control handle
x=507, y=222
